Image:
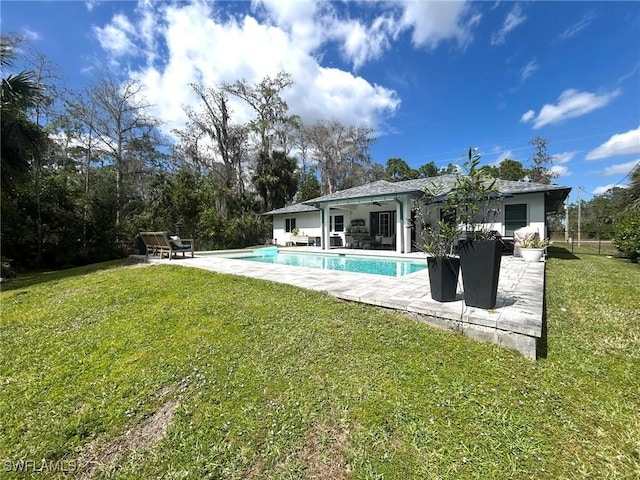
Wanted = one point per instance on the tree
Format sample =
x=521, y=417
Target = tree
x=308, y=186
x=398, y=170
x=511, y=170
x=272, y=123
x=276, y=180
x=450, y=169
x=428, y=170
x=627, y=237
x=342, y=154
x=539, y=172
x=378, y=172
x=632, y=193
x=24, y=145
x=507, y=170
x=118, y=116
x=22, y=139
x=211, y=141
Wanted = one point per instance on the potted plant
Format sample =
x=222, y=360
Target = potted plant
x=532, y=248
x=443, y=265
x=474, y=201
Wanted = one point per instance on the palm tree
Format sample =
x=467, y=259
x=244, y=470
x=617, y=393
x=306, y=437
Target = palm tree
x=21, y=138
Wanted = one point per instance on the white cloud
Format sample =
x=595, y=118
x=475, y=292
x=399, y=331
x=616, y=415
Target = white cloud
x=434, y=22
x=193, y=44
x=528, y=69
x=503, y=155
x=621, y=168
x=627, y=143
x=574, y=29
x=561, y=170
x=511, y=21
x=31, y=35
x=527, y=116
x=571, y=104
x=563, y=158
x=116, y=37
x=300, y=19
x=314, y=24
x=91, y=4
x=605, y=188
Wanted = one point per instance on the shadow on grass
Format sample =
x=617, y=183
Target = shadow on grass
x=542, y=346
x=560, y=253
x=35, y=278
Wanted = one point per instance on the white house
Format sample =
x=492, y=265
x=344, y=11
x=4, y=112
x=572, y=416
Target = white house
x=382, y=214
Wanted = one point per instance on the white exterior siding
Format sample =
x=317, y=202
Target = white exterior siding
x=308, y=223
x=535, y=212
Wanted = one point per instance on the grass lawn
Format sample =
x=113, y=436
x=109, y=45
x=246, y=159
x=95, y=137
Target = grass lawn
x=127, y=371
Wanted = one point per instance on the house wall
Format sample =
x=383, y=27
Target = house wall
x=535, y=211
x=535, y=214
x=308, y=223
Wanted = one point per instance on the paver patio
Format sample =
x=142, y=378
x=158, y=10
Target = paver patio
x=516, y=322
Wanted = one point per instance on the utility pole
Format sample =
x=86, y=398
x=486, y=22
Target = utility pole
x=566, y=223
x=579, y=212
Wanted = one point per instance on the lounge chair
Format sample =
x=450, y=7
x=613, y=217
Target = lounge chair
x=164, y=242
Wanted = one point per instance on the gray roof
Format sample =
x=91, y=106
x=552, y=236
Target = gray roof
x=443, y=183
x=295, y=208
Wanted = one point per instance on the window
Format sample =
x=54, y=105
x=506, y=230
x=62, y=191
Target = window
x=383, y=223
x=384, y=226
x=337, y=223
x=515, y=217
x=289, y=224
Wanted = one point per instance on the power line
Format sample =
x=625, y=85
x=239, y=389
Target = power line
x=628, y=173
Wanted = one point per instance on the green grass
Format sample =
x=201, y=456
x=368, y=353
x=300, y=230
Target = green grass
x=172, y=372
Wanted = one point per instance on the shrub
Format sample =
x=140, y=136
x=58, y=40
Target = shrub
x=627, y=237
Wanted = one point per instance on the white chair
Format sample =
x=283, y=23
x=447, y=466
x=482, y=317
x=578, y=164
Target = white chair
x=348, y=241
x=388, y=241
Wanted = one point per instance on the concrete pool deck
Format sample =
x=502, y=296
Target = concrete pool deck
x=516, y=322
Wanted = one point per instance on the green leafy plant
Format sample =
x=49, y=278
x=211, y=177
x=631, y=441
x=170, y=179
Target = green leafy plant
x=627, y=237
x=295, y=232
x=440, y=241
x=474, y=199
x=438, y=238
x=533, y=241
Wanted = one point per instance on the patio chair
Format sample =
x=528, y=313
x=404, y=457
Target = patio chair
x=348, y=241
x=388, y=241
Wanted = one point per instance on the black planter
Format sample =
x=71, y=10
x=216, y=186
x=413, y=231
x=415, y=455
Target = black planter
x=480, y=264
x=443, y=277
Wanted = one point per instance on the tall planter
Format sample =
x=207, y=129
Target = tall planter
x=443, y=277
x=480, y=265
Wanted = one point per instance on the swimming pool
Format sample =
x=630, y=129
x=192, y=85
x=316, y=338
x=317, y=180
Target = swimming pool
x=390, y=267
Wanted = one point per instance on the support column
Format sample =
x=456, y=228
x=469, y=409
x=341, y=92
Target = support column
x=406, y=225
x=400, y=234
x=325, y=227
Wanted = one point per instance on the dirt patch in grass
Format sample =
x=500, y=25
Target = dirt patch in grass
x=322, y=455
x=323, y=452
x=103, y=455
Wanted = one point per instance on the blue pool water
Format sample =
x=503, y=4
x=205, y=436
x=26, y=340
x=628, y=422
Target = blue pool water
x=377, y=266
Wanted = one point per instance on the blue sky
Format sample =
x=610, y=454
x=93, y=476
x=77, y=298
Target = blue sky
x=432, y=78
